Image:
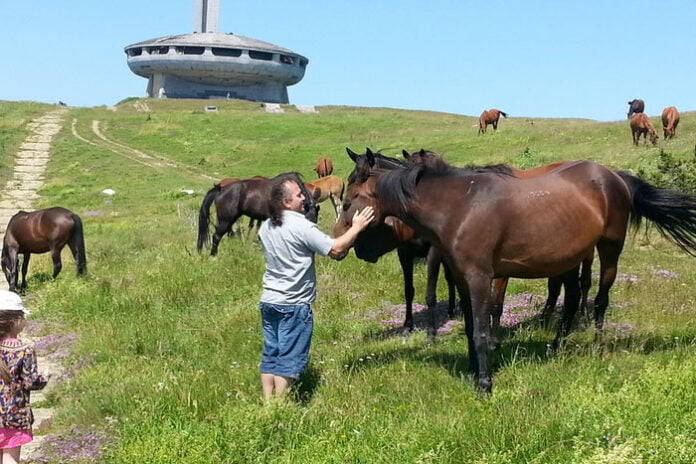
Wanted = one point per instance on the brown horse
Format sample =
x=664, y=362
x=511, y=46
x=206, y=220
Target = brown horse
x=324, y=167
x=247, y=197
x=42, y=231
x=328, y=187
x=635, y=106
x=409, y=246
x=500, y=284
x=641, y=125
x=670, y=121
x=490, y=117
x=510, y=245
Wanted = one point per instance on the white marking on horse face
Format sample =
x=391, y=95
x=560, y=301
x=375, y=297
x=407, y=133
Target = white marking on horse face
x=538, y=193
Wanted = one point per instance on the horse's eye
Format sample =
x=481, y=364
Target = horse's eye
x=346, y=206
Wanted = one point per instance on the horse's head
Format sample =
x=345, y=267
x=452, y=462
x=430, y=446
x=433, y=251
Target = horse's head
x=654, y=137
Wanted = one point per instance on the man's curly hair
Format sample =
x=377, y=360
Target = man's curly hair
x=279, y=192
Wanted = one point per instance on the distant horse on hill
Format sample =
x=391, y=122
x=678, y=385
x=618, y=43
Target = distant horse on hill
x=247, y=197
x=670, y=121
x=41, y=231
x=324, y=167
x=641, y=125
x=635, y=106
x=490, y=117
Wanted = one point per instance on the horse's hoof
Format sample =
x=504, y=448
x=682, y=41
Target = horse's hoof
x=485, y=385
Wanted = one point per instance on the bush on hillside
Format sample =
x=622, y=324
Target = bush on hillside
x=673, y=173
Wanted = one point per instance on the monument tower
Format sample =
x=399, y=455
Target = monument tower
x=208, y=64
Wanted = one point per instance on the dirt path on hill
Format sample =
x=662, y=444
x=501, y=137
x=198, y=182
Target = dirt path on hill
x=20, y=193
x=150, y=160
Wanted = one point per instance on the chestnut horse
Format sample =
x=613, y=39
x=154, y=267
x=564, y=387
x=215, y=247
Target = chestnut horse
x=635, y=106
x=328, y=187
x=641, y=125
x=512, y=245
x=42, y=231
x=324, y=167
x=247, y=197
x=490, y=117
x=670, y=121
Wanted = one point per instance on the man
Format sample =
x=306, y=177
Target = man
x=289, y=242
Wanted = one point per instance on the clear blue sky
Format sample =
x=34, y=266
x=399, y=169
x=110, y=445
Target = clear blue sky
x=529, y=58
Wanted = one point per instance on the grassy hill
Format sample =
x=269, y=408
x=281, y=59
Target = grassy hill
x=165, y=358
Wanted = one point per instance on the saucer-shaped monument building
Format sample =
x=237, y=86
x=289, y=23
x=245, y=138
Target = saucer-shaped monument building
x=208, y=64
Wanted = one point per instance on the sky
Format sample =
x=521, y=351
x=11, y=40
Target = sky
x=533, y=58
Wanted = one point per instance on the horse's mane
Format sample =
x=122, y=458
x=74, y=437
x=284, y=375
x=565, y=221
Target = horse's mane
x=396, y=188
x=362, y=170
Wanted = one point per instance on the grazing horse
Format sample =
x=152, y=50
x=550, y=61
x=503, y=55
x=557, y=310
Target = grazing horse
x=490, y=117
x=641, y=125
x=324, y=167
x=449, y=205
x=670, y=121
x=408, y=245
x=244, y=197
x=42, y=231
x=635, y=106
x=328, y=187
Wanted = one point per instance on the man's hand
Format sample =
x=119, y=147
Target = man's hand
x=362, y=218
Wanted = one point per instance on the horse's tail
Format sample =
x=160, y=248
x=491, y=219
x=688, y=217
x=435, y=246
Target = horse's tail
x=503, y=113
x=673, y=213
x=78, y=238
x=204, y=217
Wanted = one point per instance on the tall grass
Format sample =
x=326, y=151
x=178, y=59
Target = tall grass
x=168, y=340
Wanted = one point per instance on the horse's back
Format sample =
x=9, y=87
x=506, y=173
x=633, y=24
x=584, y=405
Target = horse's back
x=39, y=231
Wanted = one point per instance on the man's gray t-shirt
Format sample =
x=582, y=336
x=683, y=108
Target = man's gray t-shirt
x=290, y=277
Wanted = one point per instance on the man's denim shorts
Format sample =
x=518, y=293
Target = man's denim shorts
x=287, y=333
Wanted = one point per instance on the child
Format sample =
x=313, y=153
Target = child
x=18, y=375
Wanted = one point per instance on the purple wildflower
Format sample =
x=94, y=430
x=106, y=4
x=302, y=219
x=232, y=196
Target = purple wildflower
x=73, y=445
x=665, y=273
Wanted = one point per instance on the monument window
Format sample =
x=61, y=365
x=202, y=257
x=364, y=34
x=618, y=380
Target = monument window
x=190, y=50
x=217, y=51
x=158, y=50
x=303, y=63
x=256, y=55
x=135, y=51
x=287, y=59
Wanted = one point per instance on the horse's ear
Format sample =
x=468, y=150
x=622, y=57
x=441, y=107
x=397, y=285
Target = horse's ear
x=370, y=157
x=368, y=151
x=422, y=152
x=353, y=156
x=406, y=154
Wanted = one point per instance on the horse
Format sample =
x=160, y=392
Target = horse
x=670, y=121
x=635, y=106
x=586, y=205
x=500, y=284
x=641, y=125
x=408, y=245
x=328, y=187
x=244, y=197
x=490, y=117
x=230, y=180
x=42, y=231
x=324, y=167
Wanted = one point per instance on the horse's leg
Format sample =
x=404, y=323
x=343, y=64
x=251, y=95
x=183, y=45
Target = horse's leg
x=451, y=287
x=433, y=261
x=479, y=286
x=554, y=288
x=406, y=261
x=25, y=268
x=570, y=304
x=609, y=252
x=221, y=228
x=336, y=206
x=497, y=300
x=585, y=284
x=11, y=271
x=495, y=125
x=57, y=263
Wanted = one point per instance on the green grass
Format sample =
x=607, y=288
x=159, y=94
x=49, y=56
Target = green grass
x=169, y=340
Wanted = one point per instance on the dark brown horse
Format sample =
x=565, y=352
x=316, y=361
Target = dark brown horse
x=670, y=121
x=635, y=106
x=324, y=167
x=490, y=117
x=248, y=197
x=40, y=232
x=409, y=246
x=577, y=208
x=500, y=284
